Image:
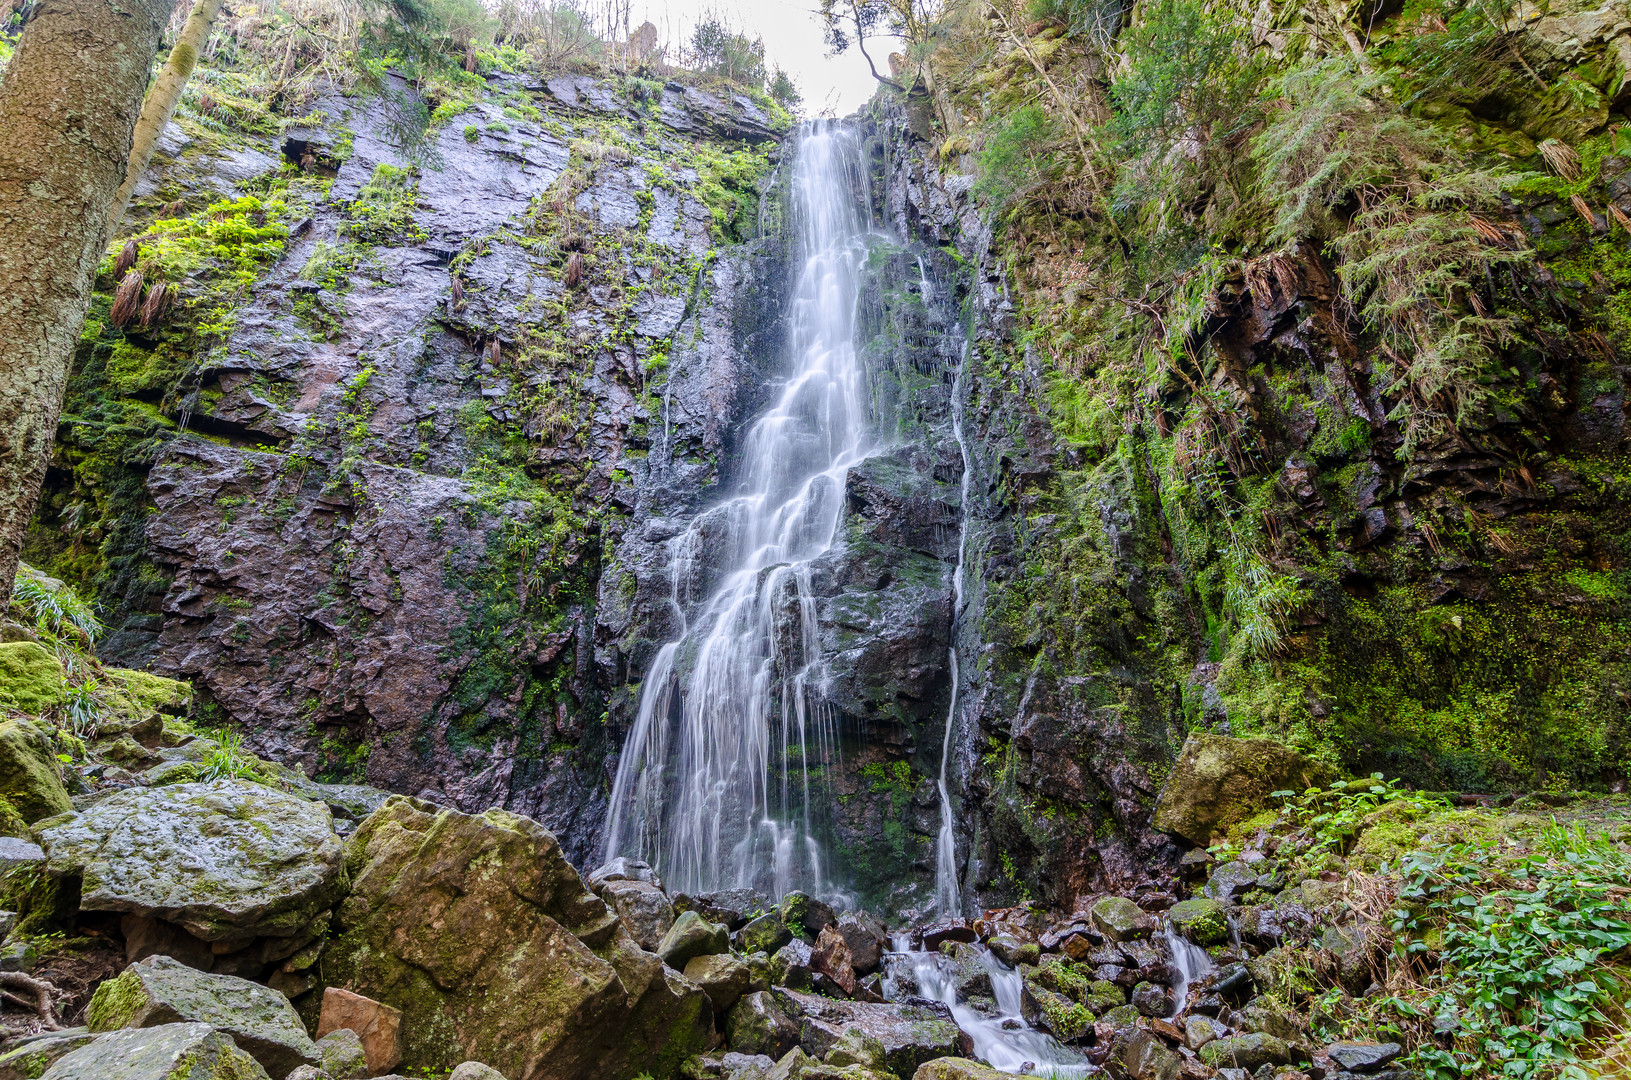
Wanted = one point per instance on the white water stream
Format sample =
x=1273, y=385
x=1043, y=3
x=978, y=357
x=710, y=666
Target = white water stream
x=947, y=898
x=1189, y=961
x=1004, y=1040
x=714, y=785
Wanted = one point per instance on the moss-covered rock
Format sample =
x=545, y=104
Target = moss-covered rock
x=486, y=938
x=160, y=990
x=167, y=1052
x=30, y=779
x=31, y=679
x=227, y=860
x=1119, y=919
x=1219, y=781
x=1200, y=920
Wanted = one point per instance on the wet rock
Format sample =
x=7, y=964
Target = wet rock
x=856, y=1047
x=31, y=1055
x=1146, y=1057
x=1259, y=1017
x=1012, y=951
x=1200, y=1030
x=692, y=935
x=1351, y=948
x=1152, y=999
x=167, y=1052
x=767, y=933
x=831, y=957
x=161, y=991
x=1231, y=982
x=722, y=977
x=642, y=906
x=375, y=1026
x=957, y=1068
x=1220, y=781
x=732, y=907
x=344, y=1055
x=1360, y=1057
x=623, y=868
x=1200, y=920
x=910, y=1034
x=805, y=916
x=1250, y=1052
x=791, y=966
x=479, y=924
x=475, y=1070
x=1230, y=880
x=1119, y=919
x=30, y=777
x=760, y=1025
x=227, y=860
x=954, y=930
x=866, y=938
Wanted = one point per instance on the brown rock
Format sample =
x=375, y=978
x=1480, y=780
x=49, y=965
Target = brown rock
x=146, y=937
x=1167, y=1030
x=378, y=1026
x=831, y=957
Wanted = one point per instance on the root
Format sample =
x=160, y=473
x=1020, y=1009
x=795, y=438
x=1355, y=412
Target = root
x=43, y=999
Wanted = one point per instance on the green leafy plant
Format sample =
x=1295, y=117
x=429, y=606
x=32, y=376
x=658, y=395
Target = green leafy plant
x=228, y=761
x=1336, y=814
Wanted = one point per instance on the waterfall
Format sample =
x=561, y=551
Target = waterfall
x=946, y=895
x=714, y=784
x=1189, y=962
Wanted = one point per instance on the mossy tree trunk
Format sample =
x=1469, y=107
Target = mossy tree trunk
x=162, y=99
x=68, y=105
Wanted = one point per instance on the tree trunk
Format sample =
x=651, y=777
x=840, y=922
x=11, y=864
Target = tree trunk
x=68, y=104
x=162, y=99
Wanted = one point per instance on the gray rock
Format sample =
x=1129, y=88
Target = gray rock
x=910, y=1034
x=1012, y=951
x=227, y=860
x=33, y=1054
x=733, y=907
x=15, y=853
x=308, y=1072
x=767, y=933
x=475, y=1070
x=1200, y=1030
x=722, y=977
x=856, y=1047
x=760, y=1025
x=1270, y=1021
x=692, y=935
x=791, y=966
x=160, y=991
x=343, y=1055
x=1119, y=919
x=1151, y=999
x=1250, y=1052
x=1363, y=1057
x=1147, y=1058
x=734, y=1066
x=623, y=868
x=1201, y=920
x=1230, y=880
x=642, y=906
x=167, y=1052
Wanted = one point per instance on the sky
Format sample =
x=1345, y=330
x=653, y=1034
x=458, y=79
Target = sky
x=791, y=32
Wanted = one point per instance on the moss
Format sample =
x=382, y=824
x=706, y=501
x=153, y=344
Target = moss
x=116, y=1003
x=31, y=679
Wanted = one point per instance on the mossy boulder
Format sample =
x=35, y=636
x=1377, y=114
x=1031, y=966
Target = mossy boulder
x=160, y=990
x=167, y=1052
x=31, y=678
x=1250, y=1052
x=1119, y=919
x=1200, y=920
x=1219, y=781
x=480, y=931
x=227, y=860
x=32, y=1056
x=30, y=778
x=692, y=936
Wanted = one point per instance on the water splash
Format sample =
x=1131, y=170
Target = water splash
x=714, y=787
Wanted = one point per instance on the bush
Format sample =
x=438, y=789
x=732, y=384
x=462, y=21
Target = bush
x=1017, y=154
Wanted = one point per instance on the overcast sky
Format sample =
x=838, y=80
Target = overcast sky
x=792, y=37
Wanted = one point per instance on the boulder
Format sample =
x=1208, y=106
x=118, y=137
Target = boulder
x=32, y=1055
x=30, y=778
x=910, y=1034
x=867, y=940
x=767, y=933
x=733, y=907
x=1200, y=920
x=475, y=1070
x=486, y=938
x=831, y=957
x=856, y=1047
x=760, y=1025
x=1220, y=781
x=722, y=977
x=791, y=966
x=167, y=1052
x=1363, y=1057
x=1250, y=1052
x=1012, y=951
x=805, y=916
x=31, y=679
x=642, y=906
x=1146, y=1057
x=161, y=991
x=1229, y=880
x=1258, y=1016
x=624, y=868
x=344, y=1055
x=1151, y=999
x=226, y=860
x=1119, y=919
x=692, y=935
x=1200, y=1030
x=958, y=1068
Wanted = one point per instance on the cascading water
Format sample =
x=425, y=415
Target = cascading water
x=714, y=785
x=1189, y=962
x=946, y=893
x=1003, y=1039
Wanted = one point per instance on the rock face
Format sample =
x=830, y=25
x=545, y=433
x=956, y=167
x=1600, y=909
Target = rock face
x=168, y=1052
x=227, y=860
x=162, y=991
x=486, y=938
x=1219, y=782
